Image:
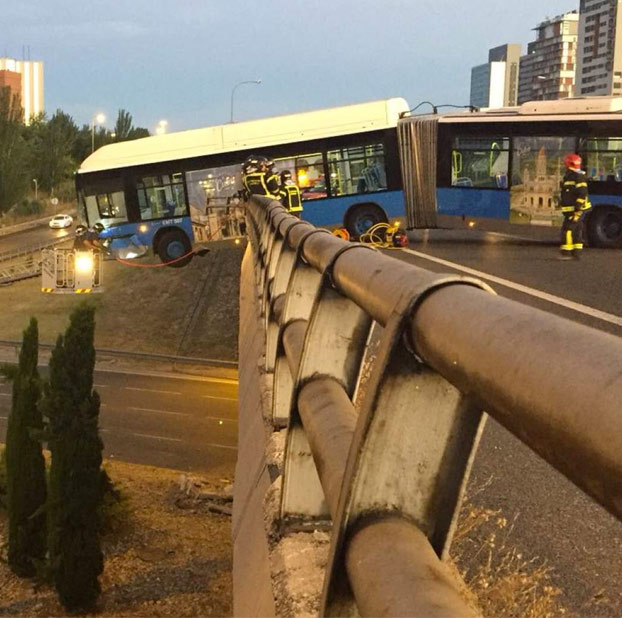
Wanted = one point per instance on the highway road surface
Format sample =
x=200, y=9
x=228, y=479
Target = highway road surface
x=184, y=423
x=33, y=237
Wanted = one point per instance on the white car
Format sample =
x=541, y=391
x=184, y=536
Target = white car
x=61, y=221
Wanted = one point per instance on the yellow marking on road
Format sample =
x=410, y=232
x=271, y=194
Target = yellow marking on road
x=223, y=398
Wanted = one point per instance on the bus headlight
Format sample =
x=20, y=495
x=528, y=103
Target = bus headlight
x=143, y=228
x=84, y=263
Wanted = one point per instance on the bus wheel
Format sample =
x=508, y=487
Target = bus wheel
x=361, y=217
x=605, y=227
x=172, y=246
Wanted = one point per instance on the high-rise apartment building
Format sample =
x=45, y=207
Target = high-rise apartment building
x=599, y=62
x=495, y=84
x=547, y=71
x=31, y=87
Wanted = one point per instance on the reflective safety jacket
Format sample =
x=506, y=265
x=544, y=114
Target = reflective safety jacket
x=290, y=197
x=574, y=192
x=258, y=183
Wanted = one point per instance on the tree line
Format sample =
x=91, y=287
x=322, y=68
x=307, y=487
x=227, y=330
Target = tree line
x=48, y=150
x=54, y=518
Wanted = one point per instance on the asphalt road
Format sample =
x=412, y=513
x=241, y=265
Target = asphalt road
x=35, y=236
x=184, y=423
x=554, y=520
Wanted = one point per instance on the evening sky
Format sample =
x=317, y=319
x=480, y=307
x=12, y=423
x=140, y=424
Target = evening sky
x=179, y=59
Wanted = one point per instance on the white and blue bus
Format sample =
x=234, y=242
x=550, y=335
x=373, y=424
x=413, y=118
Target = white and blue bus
x=501, y=169
x=168, y=193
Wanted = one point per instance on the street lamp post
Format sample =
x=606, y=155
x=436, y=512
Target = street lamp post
x=99, y=119
x=36, y=188
x=252, y=81
x=161, y=128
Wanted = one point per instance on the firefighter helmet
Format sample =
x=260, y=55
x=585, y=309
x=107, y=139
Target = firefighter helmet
x=98, y=227
x=80, y=230
x=573, y=161
x=286, y=176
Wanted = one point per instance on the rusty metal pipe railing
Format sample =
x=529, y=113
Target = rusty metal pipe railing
x=329, y=419
x=553, y=383
x=551, y=416
x=488, y=348
x=413, y=583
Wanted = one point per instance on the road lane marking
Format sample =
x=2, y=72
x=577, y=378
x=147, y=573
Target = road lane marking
x=101, y=385
x=5, y=394
x=4, y=418
x=220, y=419
x=158, y=411
x=223, y=398
x=556, y=300
x=146, y=435
x=231, y=448
x=151, y=390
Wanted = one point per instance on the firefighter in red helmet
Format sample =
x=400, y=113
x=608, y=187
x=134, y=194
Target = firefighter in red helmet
x=574, y=202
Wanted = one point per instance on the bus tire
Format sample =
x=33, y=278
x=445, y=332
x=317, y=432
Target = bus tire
x=604, y=227
x=361, y=217
x=171, y=246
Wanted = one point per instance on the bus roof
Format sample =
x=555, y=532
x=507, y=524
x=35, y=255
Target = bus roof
x=578, y=108
x=346, y=120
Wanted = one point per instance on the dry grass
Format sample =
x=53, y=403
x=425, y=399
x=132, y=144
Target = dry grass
x=160, y=560
x=505, y=582
x=141, y=309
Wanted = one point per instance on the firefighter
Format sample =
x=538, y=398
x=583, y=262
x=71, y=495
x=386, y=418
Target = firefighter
x=87, y=239
x=574, y=202
x=250, y=166
x=289, y=194
x=260, y=180
x=273, y=181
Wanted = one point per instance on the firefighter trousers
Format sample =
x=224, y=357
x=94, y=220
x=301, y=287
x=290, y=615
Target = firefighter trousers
x=572, y=233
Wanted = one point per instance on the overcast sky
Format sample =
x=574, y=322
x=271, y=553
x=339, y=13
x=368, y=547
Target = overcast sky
x=179, y=59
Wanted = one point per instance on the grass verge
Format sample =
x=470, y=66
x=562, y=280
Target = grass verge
x=160, y=560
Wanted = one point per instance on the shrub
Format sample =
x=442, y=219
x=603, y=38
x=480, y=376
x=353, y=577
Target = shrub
x=72, y=407
x=25, y=466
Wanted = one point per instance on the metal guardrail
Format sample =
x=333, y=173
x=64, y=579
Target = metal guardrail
x=391, y=474
x=210, y=362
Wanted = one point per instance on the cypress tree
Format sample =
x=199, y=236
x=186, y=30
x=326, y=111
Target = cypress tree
x=72, y=408
x=25, y=466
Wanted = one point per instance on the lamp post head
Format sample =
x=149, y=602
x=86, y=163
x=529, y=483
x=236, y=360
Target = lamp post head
x=100, y=118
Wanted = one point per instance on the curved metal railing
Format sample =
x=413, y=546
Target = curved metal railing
x=390, y=475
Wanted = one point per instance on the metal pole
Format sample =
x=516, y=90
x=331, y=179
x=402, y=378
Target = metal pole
x=252, y=81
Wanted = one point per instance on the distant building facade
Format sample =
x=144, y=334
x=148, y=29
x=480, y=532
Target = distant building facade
x=31, y=83
x=599, y=63
x=495, y=84
x=547, y=71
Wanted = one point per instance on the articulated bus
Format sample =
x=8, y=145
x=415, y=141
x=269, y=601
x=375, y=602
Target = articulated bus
x=168, y=193
x=501, y=169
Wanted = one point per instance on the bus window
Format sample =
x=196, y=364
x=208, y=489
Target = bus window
x=537, y=170
x=104, y=200
x=308, y=170
x=604, y=159
x=358, y=169
x=111, y=205
x=480, y=162
x=160, y=197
